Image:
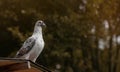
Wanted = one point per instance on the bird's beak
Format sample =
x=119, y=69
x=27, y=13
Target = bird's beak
x=44, y=25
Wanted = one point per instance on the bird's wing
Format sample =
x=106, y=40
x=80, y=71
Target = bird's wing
x=27, y=46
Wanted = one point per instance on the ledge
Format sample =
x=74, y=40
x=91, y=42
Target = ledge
x=20, y=65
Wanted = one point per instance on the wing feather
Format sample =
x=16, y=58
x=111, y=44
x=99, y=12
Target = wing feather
x=27, y=46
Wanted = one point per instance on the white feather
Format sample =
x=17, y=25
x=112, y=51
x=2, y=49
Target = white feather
x=34, y=45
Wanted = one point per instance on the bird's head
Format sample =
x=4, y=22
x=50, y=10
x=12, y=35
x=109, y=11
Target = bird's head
x=40, y=23
x=38, y=26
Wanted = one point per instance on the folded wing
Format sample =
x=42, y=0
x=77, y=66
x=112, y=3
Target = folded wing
x=27, y=46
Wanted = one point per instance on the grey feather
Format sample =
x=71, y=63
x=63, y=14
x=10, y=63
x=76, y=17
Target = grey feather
x=27, y=46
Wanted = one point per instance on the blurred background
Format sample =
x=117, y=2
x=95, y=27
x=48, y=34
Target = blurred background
x=81, y=35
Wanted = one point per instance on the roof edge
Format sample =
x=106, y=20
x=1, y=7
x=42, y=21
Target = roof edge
x=26, y=60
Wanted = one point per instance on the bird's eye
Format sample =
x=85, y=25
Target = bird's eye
x=40, y=22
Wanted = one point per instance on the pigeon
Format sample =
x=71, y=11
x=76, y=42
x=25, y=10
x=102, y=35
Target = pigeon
x=34, y=45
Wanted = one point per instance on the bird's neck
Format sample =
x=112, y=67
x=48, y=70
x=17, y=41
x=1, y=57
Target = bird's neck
x=37, y=32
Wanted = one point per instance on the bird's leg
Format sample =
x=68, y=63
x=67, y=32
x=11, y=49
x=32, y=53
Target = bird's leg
x=29, y=66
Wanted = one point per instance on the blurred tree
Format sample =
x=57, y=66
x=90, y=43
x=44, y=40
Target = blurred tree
x=81, y=35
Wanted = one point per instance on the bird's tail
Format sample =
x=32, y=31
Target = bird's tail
x=16, y=56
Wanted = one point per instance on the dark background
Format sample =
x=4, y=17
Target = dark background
x=81, y=35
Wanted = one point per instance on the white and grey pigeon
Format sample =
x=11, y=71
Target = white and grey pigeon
x=34, y=45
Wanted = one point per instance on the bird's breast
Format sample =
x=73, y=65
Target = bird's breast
x=38, y=47
x=40, y=43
